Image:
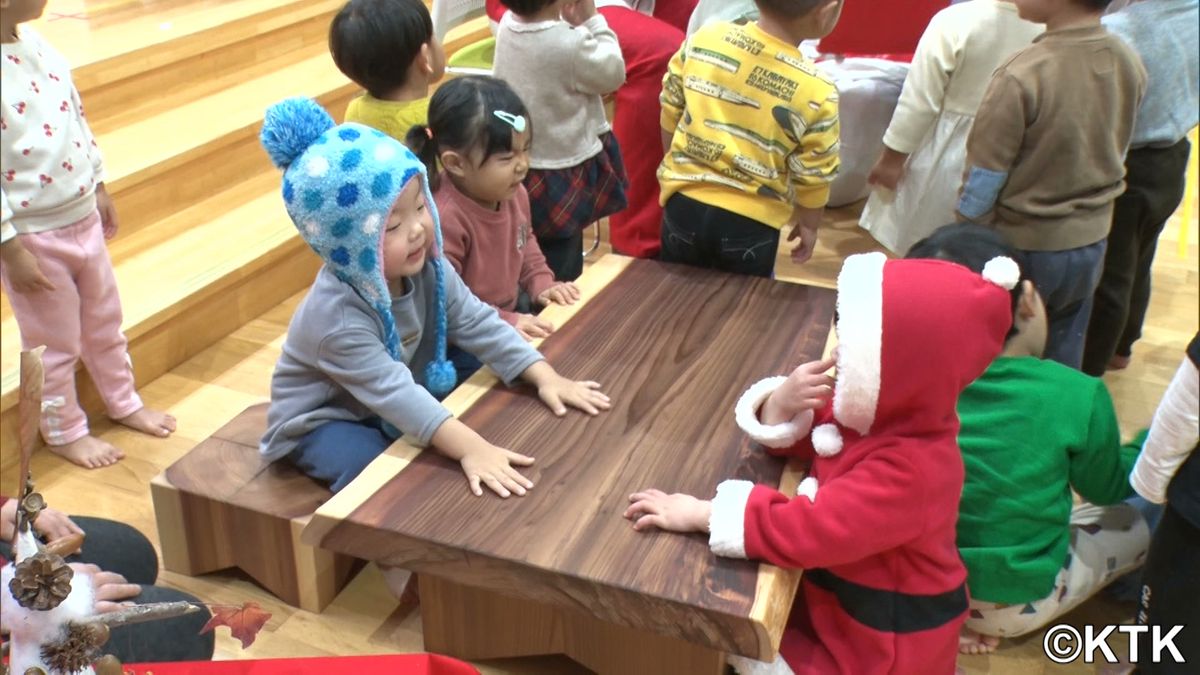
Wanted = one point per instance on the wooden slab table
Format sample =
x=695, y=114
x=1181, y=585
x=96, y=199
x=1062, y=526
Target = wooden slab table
x=559, y=570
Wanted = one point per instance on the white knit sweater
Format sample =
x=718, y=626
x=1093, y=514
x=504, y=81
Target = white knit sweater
x=49, y=161
x=560, y=73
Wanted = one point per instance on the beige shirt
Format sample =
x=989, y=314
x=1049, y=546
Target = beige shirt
x=959, y=51
x=1046, y=154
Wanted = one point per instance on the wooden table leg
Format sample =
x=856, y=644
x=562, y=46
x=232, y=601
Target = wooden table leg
x=472, y=623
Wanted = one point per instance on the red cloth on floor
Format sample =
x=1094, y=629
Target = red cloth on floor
x=887, y=30
x=393, y=664
x=647, y=45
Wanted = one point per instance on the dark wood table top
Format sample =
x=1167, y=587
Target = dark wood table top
x=674, y=347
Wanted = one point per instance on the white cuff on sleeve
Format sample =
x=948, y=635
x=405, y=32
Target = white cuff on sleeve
x=771, y=435
x=727, y=524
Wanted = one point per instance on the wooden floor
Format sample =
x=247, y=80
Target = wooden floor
x=213, y=386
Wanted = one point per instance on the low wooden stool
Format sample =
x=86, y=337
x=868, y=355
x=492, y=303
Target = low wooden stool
x=222, y=505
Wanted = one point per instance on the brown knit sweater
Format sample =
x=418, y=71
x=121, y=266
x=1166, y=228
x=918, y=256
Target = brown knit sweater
x=1046, y=155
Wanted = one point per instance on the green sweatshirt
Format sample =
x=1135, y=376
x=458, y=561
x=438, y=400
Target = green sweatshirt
x=1032, y=430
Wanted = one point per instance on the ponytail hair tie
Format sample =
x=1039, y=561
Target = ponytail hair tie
x=429, y=133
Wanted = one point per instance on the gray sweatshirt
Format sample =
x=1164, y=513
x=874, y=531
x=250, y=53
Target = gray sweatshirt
x=334, y=364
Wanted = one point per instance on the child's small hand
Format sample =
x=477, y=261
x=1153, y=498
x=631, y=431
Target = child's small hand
x=807, y=388
x=493, y=466
x=674, y=513
x=578, y=11
x=563, y=293
x=108, y=211
x=804, y=227
x=24, y=273
x=530, y=327
x=888, y=170
x=584, y=395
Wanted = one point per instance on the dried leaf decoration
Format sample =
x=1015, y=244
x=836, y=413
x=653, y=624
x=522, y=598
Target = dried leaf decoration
x=243, y=622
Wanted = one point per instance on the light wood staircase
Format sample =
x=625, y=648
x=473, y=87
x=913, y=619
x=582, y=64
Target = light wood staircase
x=175, y=92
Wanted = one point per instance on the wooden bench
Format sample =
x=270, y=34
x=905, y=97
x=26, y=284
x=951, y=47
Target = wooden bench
x=222, y=505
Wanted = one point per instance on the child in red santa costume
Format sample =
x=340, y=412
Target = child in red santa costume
x=873, y=524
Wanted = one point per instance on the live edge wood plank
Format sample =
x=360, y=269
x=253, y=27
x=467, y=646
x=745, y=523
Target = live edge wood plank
x=675, y=347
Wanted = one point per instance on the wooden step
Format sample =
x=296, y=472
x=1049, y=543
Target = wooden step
x=126, y=53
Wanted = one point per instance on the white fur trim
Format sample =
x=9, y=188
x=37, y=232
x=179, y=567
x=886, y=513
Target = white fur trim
x=827, y=440
x=747, y=666
x=727, y=524
x=808, y=488
x=771, y=435
x=1002, y=271
x=860, y=335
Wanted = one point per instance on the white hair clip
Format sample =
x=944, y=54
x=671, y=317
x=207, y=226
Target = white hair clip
x=517, y=122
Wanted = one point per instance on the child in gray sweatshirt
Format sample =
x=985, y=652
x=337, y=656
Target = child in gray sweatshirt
x=365, y=353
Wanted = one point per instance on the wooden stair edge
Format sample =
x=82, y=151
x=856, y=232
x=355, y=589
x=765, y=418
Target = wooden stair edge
x=106, y=70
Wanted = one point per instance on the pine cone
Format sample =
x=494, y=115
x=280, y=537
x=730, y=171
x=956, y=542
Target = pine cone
x=78, y=649
x=41, y=582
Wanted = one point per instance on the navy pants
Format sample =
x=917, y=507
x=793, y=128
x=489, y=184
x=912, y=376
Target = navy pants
x=1067, y=282
x=694, y=233
x=336, y=452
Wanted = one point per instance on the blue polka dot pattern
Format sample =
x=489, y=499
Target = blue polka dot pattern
x=348, y=134
x=408, y=174
x=347, y=195
x=340, y=256
x=342, y=227
x=352, y=159
x=313, y=199
x=366, y=259
x=382, y=185
x=289, y=191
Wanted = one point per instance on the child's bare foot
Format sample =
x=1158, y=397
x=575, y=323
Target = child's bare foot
x=970, y=642
x=150, y=422
x=1118, y=362
x=89, y=452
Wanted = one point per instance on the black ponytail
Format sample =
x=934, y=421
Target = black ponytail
x=420, y=140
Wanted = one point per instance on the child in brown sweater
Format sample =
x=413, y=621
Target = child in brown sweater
x=1045, y=157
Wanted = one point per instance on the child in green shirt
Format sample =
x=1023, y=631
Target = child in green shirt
x=1033, y=430
x=388, y=48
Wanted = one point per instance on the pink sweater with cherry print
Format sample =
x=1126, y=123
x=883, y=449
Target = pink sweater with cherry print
x=49, y=161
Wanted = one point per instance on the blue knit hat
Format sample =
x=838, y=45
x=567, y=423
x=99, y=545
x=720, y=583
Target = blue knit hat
x=339, y=185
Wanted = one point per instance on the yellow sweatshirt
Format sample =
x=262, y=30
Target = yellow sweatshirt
x=755, y=125
x=393, y=118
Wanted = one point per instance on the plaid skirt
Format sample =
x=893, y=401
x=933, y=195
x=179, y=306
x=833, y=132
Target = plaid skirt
x=564, y=201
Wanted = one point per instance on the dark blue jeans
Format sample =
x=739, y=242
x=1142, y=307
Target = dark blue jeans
x=694, y=233
x=1067, y=282
x=336, y=452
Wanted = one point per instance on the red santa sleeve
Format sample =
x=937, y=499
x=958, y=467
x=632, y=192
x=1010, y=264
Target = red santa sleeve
x=874, y=507
x=786, y=439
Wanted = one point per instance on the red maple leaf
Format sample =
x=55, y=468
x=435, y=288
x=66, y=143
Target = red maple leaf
x=243, y=622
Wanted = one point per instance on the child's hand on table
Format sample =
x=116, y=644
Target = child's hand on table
x=674, y=513
x=562, y=293
x=482, y=462
x=530, y=327
x=807, y=388
x=558, y=392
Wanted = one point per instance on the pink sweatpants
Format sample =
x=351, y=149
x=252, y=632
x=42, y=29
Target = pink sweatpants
x=80, y=318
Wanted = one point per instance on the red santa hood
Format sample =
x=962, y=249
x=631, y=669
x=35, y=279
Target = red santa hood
x=898, y=319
